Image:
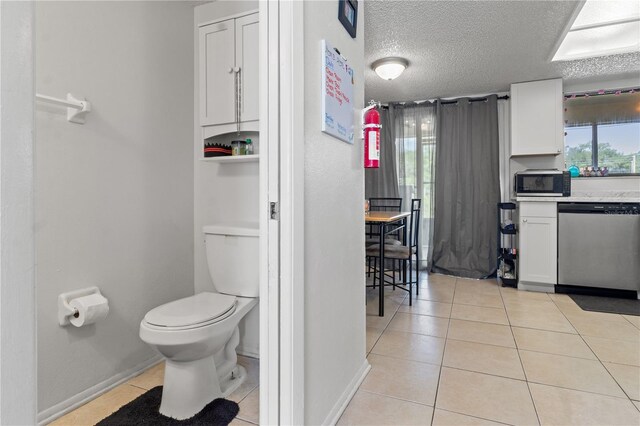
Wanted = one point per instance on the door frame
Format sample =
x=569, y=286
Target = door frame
x=282, y=182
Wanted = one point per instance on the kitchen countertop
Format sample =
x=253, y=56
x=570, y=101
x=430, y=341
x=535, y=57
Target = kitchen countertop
x=590, y=197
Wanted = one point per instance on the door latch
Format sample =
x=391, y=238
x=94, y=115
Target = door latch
x=274, y=210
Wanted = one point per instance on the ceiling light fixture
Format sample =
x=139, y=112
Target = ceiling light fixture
x=390, y=68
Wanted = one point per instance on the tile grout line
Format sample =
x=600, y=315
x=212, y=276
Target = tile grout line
x=625, y=397
x=435, y=398
x=397, y=398
x=475, y=417
x=139, y=387
x=526, y=379
x=384, y=329
x=245, y=397
x=594, y=353
x=409, y=360
x=629, y=321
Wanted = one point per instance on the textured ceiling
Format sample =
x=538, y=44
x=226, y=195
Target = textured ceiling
x=470, y=47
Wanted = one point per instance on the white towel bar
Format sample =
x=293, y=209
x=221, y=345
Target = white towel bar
x=76, y=108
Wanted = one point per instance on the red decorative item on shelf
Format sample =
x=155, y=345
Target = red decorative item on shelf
x=216, y=150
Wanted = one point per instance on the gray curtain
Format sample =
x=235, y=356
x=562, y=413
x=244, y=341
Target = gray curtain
x=467, y=188
x=383, y=181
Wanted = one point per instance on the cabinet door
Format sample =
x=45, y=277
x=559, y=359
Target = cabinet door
x=536, y=118
x=248, y=61
x=538, y=249
x=217, y=79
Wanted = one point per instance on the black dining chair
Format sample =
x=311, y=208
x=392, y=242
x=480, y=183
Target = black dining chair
x=380, y=204
x=385, y=204
x=402, y=254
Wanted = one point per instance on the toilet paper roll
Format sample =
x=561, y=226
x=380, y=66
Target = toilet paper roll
x=90, y=309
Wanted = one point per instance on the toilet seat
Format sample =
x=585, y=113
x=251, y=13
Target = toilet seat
x=195, y=311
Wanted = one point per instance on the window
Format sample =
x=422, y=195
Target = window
x=415, y=140
x=602, y=133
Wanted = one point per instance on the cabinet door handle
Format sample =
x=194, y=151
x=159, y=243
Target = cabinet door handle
x=230, y=70
x=239, y=98
x=524, y=220
x=235, y=87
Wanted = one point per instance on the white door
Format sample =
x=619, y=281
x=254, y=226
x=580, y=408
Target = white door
x=247, y=59
x=538, y=250
x=282, y=182
x=217, y=76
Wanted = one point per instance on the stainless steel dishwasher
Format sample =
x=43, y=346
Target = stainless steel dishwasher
x=599, y=245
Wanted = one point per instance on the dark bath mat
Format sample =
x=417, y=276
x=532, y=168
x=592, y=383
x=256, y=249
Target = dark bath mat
x=612, y=305
x=143, y=411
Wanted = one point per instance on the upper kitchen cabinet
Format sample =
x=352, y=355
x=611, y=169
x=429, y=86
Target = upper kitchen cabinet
x=228, y=68
x=536, y=118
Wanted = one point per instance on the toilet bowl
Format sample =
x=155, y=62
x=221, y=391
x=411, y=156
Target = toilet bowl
x=198, y=335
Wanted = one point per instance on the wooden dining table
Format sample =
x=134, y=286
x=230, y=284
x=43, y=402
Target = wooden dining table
x=383, y=219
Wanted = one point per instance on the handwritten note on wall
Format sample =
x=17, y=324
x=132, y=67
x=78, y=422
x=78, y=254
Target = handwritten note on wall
x=337, y=94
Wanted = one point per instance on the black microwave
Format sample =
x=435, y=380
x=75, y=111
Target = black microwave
x=542, y=183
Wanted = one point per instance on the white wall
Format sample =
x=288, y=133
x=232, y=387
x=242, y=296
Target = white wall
x=114, y=197
x=17, y=278
x=334, y=228
x=222, y=192
x=611, y=183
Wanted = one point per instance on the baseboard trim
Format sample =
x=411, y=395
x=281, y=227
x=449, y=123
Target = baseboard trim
x=345, y=398
x=541, y=288
x=249, y=352
x=62, y=408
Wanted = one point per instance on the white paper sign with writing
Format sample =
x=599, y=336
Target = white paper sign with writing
x=337, y=94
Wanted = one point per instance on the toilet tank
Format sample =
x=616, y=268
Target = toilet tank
x=232, y=257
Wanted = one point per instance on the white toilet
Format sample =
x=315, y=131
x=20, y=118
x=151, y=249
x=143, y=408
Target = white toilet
x=198, y=335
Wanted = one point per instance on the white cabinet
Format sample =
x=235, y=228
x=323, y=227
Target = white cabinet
x=538, y=232
x=247, y=60
x=228, y=71
x=537, y=118
x=217, y=75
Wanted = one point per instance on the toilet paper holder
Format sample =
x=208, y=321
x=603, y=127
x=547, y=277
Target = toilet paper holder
x=65, y=311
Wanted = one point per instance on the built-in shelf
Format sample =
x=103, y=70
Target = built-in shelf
x=233, y=159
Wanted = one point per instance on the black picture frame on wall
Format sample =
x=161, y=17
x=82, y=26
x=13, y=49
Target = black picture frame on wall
x=348, y=15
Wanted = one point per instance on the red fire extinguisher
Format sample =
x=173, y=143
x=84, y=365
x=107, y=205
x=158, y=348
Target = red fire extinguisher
x=371, y=137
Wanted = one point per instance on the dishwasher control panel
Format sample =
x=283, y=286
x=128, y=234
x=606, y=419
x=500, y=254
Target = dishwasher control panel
x=599, y=208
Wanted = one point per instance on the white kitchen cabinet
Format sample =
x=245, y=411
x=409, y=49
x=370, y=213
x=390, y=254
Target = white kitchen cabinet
x=228, y=71
x=538, y=239
x=537, y=118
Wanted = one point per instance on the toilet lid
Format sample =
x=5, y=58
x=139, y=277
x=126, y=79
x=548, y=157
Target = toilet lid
x=203, y=307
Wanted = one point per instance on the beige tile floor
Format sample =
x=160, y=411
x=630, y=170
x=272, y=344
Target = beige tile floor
x=94, y=411
x=469, y=352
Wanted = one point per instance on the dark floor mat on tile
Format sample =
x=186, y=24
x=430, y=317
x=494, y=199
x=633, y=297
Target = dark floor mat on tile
x=143, y=411
x=612, y=305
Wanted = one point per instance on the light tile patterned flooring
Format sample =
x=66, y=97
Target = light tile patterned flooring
x=469, y=352
x=91, y=413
